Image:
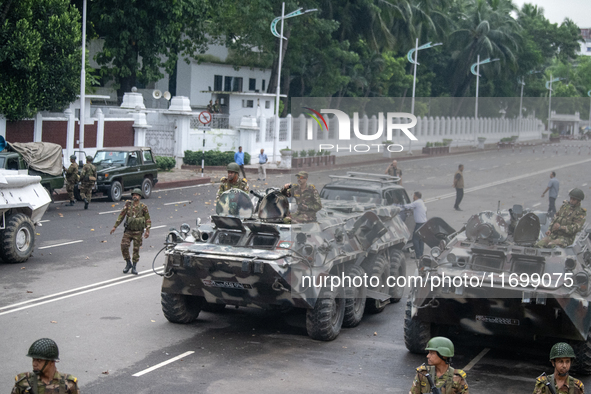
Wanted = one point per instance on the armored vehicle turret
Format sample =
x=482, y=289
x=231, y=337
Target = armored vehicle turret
x=250, y=256
x=489, y=279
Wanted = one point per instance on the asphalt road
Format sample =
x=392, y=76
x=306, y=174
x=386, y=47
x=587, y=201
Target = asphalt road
x=110, y=326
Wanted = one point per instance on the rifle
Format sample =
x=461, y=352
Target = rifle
x=548, y=384
x=434, y=389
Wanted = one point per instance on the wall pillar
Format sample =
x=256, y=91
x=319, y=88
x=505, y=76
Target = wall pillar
x=100, y=128
x=38, y=128
x=3, y=126
x=70, y=132
x=180, y=111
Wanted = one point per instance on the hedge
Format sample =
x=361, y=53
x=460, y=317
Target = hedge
x=212, y=157
x=165, y=163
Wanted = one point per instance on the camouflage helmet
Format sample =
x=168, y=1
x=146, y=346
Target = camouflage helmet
x=561, y=349
x=233, y=167
x=44, y=349
x=577, y=193
x=137, y=191
x=302, y=174
x=441, y=345
x=89, y=158
x=73, y=157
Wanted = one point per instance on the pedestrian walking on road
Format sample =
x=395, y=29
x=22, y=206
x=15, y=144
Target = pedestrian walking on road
x=419, y=210
x=72, y=179
x=393, y=170
x=45, y=378
x=239, y=159
x=262, y=162
x=459, y=186
x=552, y=189
x=138, y=219
x=87, y=177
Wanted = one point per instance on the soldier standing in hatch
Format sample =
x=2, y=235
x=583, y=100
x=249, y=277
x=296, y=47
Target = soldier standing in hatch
x=45, y=377
x=232, y=181
x=138, y=219
x=453, y=381
x=306, y=196
x=567, y=223
x=72, y=178
x=561, y=356
x=87, y=177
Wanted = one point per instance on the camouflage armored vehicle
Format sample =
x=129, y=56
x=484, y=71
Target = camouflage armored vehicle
x=488, y=279
x=257, y=260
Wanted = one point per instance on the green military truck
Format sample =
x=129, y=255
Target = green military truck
x=43, y=159
x=124, y=168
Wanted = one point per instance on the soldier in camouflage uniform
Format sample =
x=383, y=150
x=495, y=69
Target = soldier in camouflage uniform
x=445, y=377
x=567, y=223
x=72, y=178
x=45, y=377
x=232, y=181
x=138, y=219
x=306, y=196
x=561, y=356
x=87, y=177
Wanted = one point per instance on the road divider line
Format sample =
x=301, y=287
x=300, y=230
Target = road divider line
x=122, y=278
x=154, y=228
x=476, y=359
x=62, y=244
x=178, y=202
x=45, y=221
x=145, y=371
x=104, y=213
x=535, y=205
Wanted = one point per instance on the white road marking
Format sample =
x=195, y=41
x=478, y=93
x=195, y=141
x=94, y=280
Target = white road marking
x=141, y=276
x=476, y=359
x=584, y=184
x=104, y=213
x=65, y=243
x=178, y=202
x=535, y=205
x=154, y=228
x=45, y=221
x=183, y=187
x=145, y=371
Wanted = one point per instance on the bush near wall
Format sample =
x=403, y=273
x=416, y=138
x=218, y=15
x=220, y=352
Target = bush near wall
x=165, y=163
x=212, y=158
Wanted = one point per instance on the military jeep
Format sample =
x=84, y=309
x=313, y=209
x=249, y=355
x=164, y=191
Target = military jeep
x=124, y=168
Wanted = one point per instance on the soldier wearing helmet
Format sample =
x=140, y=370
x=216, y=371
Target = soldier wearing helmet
x=232, y=181
x=138, y=220
x=561, y=356
x=567, y=223
x=72, y=179
x=306, y=196
x=88, y=177
x=444, y=376
x=45, y=377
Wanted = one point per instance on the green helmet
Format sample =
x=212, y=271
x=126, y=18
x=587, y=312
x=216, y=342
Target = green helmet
x=89, y=158
x=137, y=191
x=577, y=193
x=233, y=167
x=562, y=349
x=73, y=157
x=441, y=345
x=44, y=349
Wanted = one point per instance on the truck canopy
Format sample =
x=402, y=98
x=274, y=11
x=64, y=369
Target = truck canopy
x=40, y=156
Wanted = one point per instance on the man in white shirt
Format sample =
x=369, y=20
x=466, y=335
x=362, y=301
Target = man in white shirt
x=419, y=211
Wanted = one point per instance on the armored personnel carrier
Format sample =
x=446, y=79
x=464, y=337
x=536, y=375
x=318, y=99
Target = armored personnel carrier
x=257, y=260
x=488, y=279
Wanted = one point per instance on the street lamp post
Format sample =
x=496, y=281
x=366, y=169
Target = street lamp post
x=281, y=38
x=82, y=79
x=549, y=87
x=415, y=50
x=475, y=69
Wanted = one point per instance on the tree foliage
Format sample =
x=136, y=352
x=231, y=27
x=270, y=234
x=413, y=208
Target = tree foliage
x=40, y=56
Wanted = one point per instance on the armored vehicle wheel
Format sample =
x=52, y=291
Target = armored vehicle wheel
x=325, y=320
x=147, y=187
x=214, y=308
x=180, y=308
x=17, y=239
x=115, y=192
x=379, y=269
x=416, y=332
x=582, y=363
x=77, y=195
x=397, y=268
x=355, y=297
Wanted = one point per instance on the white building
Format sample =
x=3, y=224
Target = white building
x=586, y=43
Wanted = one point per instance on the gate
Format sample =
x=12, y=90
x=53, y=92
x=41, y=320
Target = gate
x=160, y=137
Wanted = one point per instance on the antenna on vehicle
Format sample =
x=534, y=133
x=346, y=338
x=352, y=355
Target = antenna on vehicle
x=156, y=94
x=499, y=207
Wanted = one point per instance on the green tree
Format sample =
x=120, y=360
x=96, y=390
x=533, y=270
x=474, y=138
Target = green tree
x=40, y=56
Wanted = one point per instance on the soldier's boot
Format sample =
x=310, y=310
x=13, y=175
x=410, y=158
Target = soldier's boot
x=133, y=270
x=86, y=203
x=70, y=204
x=127, y=267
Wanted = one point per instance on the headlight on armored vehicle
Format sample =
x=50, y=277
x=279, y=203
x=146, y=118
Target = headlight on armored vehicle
x=435, y=252
x=570, y=264
x=185, y=229
x=582, y=282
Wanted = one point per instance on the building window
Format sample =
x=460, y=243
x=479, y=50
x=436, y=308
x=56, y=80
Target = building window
x=227, y=84
x=588, y=49
x=267, y=104
x=252, y=84
x=237, y=84
x=263, y=87
x=217, y=83
x=247, y=104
